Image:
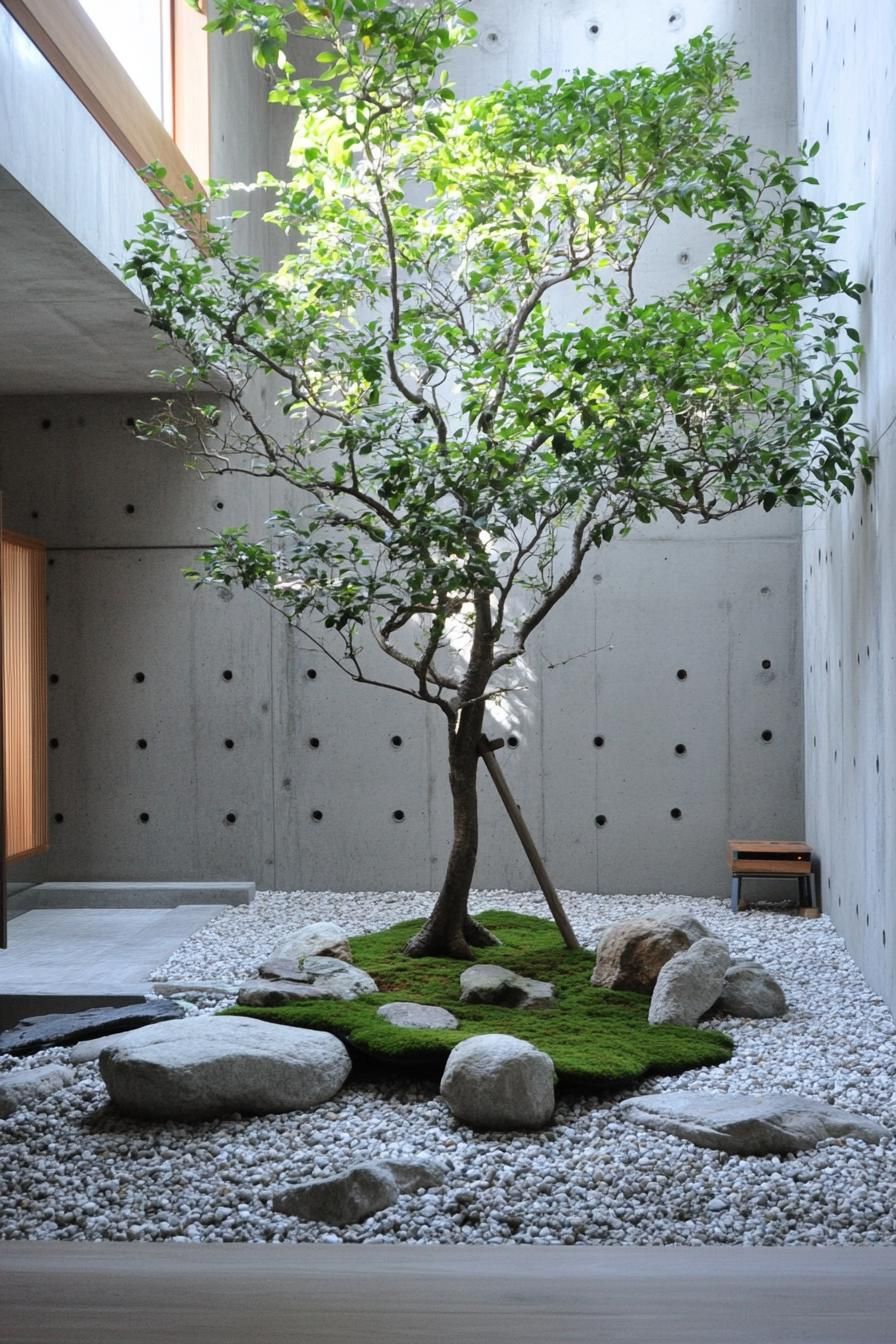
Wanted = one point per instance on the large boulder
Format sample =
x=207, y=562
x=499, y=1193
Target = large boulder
x=689, y=984
x=499, y=1082
x=322, y=939
x=676, y=917
x=749, y=990
x=752, y=1126
x=632, y=952
x=355, y=1194
x=24, y=1087
x=203, y=1067
x=49, y=1029
x=422, y=1016
x=495, y=984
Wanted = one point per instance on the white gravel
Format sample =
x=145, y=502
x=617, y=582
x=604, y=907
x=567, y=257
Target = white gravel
x=73, y=1170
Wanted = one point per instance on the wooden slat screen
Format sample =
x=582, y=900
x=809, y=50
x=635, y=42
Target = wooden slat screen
x=23, y=599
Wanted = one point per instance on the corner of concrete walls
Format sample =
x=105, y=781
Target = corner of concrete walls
x=849, y=554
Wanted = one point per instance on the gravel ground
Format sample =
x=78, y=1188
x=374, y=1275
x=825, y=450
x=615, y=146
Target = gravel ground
x=73, y=1170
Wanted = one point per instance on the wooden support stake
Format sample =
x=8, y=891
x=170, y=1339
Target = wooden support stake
x=487, y=752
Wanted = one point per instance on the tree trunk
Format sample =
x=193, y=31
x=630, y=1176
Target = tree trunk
x=450, y=931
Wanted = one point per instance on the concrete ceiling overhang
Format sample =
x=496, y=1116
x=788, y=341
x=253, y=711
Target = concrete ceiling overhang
x=68, y=323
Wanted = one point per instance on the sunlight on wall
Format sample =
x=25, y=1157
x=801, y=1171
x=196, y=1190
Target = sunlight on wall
x=139, y=33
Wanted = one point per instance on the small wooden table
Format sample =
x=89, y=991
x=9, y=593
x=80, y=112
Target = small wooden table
x=772, y=858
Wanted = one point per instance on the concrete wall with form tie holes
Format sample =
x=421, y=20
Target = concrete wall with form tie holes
x=847, y=100
x=662, y=706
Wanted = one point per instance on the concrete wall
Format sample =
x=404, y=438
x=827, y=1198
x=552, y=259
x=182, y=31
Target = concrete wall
x=847, y=101
x=338, y=787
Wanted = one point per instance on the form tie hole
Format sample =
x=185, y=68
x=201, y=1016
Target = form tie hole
x=766, y=664
x=766, y=734
x=317, y=815
x=396, y=740
x=141, y=743
x=314, y=742
x=675, y=813
x=228, y=742
x=398, y=815
x=513, y=741
x=144, y=817
x=598, y=741
x=682, y=674
x=230, y=818
x=227, y=674
x=680, y=749
x=600, y=820
x=140, y=677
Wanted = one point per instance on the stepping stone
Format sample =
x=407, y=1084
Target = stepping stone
x=39, y=1033
x=495, y=984
x=499, y=1082
x=420, y=1015
x=752, y=1126
x=202, y=1067
x=24, y=1087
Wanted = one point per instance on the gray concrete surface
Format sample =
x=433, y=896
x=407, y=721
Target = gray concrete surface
x=80, y=952
x=847, y=101
x=127, y=895
x=68, y=198
x=101, y=1294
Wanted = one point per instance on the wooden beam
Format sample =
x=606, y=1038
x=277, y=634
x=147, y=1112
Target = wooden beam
x=65, y=36
x=487, y=752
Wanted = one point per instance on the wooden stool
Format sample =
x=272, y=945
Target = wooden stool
x=772, y=858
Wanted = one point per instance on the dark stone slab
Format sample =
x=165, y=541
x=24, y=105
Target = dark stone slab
x=39, y=1033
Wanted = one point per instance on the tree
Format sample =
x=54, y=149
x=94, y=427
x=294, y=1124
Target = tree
x=456, y=446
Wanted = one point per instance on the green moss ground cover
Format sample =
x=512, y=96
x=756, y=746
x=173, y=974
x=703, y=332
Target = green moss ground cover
x=597, y=1038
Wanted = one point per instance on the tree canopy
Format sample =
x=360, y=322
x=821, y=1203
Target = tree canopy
x=475, y=385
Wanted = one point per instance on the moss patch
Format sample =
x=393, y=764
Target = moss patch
x=597, y=1038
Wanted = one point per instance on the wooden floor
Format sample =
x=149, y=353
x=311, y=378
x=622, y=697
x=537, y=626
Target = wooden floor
x=53, y=1293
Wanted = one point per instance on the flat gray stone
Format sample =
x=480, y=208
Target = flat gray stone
x=321, y=939
x=420, y=1174
x=752, y=1126
x=423, y=1016
x=350, y=1197
x=24, y=1087
x=203, y=1067
x=345, y=982
x=213, y=989
x=499, y=1082
x=750, y=990
x=283, y=968
x=276, y=993
x=495, y=984
x=355, y=1194
x=39, y=1033
x=689, y=984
